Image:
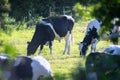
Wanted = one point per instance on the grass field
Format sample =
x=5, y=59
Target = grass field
x=64, y=67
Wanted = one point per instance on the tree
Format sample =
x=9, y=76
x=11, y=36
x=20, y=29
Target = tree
x=29, y=9
x=106, y=11
x=4, y=10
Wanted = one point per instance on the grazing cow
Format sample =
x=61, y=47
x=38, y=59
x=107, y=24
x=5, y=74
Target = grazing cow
x=112, y=50
x=28, y=68
x=115, y=31
x=51, y=28
x=91, y=37
x=101, y=66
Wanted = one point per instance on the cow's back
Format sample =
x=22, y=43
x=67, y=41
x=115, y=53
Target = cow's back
x=61, y=24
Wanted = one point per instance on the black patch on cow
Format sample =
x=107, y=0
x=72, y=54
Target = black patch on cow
x=24, y=69
x=61, y=24
x=91, y=34
x=99, y=20
x=43, y=33
x=4, y=60
x=111, y=51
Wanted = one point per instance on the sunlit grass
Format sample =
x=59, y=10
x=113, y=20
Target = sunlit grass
x=64, y=67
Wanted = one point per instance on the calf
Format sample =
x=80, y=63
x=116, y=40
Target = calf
x=91, y=37
x=112, y=50
x=28, y=68
x=51, y=28
x=101, y=66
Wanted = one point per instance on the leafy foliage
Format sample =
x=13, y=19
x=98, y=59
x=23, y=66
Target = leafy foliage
x=106, y=11
x=10, y=50
x=4, y=7
x=82, y=12
x=4, y=10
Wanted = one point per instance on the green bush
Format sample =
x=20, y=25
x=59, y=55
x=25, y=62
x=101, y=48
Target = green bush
x=82, y=12
x=7, y=24
x=10, y=50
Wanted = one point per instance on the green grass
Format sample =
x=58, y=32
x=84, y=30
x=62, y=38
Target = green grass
x=64, y=67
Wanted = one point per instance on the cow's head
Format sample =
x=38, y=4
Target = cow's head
x=31, y=48
x=35, y=42
x=83, y=47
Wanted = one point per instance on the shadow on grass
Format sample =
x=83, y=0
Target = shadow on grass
x=75, y=74
x=58, y=76
x=78, y=74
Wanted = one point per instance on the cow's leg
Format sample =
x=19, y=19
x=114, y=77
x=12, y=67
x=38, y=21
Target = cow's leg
x=67, y=43
x=41, y=47
x=50, y=46
x=80, y=48
x=93, y=45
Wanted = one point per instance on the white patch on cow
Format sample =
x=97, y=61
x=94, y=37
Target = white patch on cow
x=40, y=67
x=3, y=57
x=67, y=42
x=114, y=48
x=18, y=61
x=93, y=44
x=70, y=17
x=119, y=28
x=51, y=26
x=115, y=20
x=94, y=23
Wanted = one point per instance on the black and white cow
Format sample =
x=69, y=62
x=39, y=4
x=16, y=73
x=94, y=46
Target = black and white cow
x=91, y=37
x=112, y=50
x=50, y=28
x=28, y=68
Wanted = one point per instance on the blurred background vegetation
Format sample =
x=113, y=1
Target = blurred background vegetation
x=14, y=13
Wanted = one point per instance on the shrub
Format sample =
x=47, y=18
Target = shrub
x=82, y=12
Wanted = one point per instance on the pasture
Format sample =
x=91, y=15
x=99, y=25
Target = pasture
x=64, y=67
